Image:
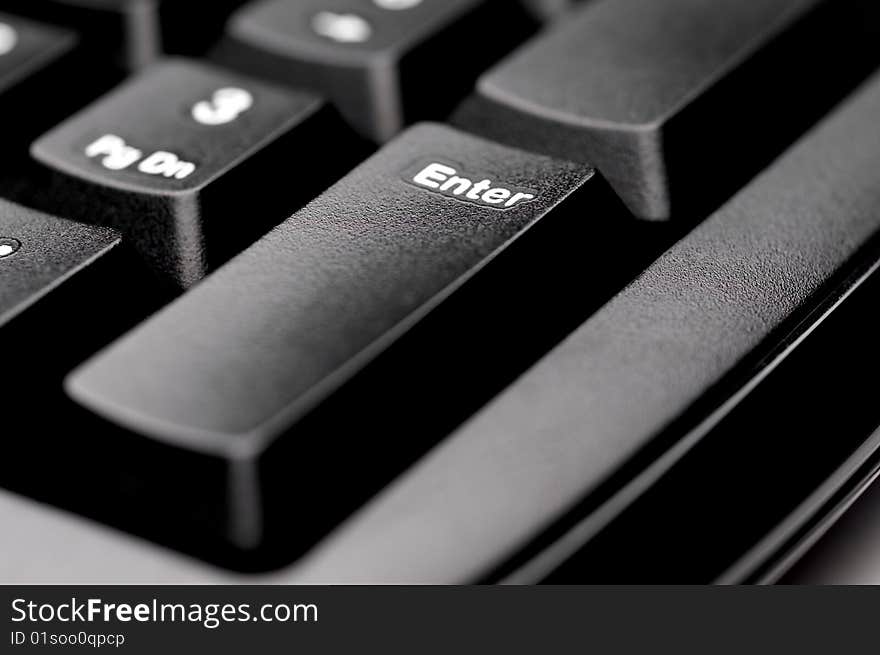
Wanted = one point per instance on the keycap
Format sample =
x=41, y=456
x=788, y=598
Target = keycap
x=58, y=280
x=334, y=349
x=124, y=31
x=384, y=63
x=553, y=458
x=135, y=33
x=38, y=251
x=678, y=103
x=26, y=47
x=32, y=60
x=66, y=290
x=192, y=163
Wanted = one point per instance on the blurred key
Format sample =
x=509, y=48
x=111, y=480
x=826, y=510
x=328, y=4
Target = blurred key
x=135, y=33
x=32, y=63
x=26, y=47
x=677, y=102
x=127, y=31
x=318, y=361
x=192, y=163
x=383, y=62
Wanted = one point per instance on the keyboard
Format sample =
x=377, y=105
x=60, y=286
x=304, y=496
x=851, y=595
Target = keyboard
x=439, y=291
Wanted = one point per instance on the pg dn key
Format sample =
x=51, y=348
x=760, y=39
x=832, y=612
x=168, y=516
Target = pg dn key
x=192, y=163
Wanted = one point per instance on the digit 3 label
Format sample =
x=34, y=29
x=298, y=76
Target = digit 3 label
x=224, y=107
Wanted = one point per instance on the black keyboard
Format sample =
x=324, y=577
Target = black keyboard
x=445, y=291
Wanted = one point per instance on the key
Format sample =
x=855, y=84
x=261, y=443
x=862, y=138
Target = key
x=645, y=91
x=192, y=163
x=27, y=47
x=383, y=62
x=126, y=30
x=544, y=466
x=66, y=290
x=32, y=61
x=57, y=278
x=135, y=33
x=442, y=257
x=38, y=251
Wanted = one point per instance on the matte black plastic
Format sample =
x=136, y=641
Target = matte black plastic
x=47, y=250
x=124, y=32
x=35, y=64
x=676, y=102
x=133, y=34
x=399, y=66
x=379, y=279
x=618, y=392
x=183, y=227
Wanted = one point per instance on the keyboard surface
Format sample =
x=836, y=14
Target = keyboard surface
x=421, y=291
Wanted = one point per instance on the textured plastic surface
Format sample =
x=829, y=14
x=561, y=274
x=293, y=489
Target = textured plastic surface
x=650, y=92
x=630, y=372
x=325, y=344
x=180, y=225
x=35, y=47
x=382, y=67
x=240, y=358
x=124, y=32
x=49, y=250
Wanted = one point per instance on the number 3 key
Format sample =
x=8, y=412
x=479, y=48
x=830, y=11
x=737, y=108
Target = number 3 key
x=192, y=163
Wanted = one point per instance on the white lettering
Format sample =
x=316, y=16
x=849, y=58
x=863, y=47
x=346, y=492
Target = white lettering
x=224, y=106
x=344, y=28
x=517, y=197
x=397, y=5
x=433, y=175
x=166, y=164
x=460, y=184
x=446, y=180
x=117, y=155
x=496, y=196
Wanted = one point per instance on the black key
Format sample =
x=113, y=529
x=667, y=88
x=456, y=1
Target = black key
x=32, y=63
x=27, y=47
x=395, y=298
x=66, y=289
x=677, y=102
x=58, y=280
x=126, y=31
x=37, y=251
x=582, y=433
x=135, y=33
x=383, y=62
x=192, y=163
